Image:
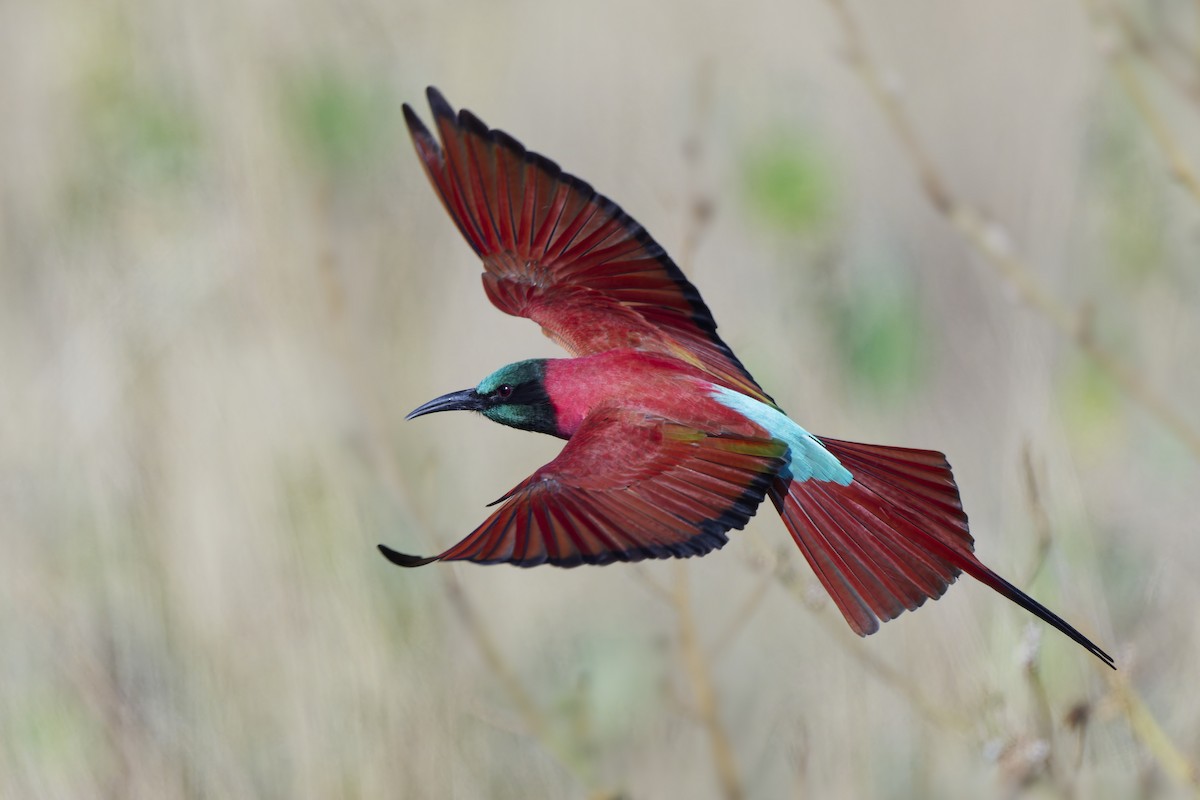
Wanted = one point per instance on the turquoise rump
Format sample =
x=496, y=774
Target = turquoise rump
x=670, y=441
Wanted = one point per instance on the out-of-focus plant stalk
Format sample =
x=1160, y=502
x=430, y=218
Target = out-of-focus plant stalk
x=740, y=616
x=1150, y=733
x=991, y=240
x=704, y=695
x=704, y=703
x=840, y=634
x=1177, y=162
x=1041, y=519
x=1185, y=81
x=533, y=719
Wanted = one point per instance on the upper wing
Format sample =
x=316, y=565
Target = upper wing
x=624, y=488
x=562, y=255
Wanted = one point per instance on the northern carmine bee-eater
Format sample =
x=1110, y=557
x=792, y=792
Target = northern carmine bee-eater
x=670, y=441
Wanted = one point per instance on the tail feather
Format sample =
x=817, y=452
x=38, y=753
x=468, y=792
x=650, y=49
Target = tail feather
x=893, y=538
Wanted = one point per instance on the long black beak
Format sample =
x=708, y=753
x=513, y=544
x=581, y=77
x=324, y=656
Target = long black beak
x=466, y=400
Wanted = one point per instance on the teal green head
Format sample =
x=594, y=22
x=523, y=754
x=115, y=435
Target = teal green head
x=514, y=395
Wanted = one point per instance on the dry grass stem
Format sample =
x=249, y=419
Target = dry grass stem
x=1177, y=161
x=371, y=411
x=992, y=242
x=704, y=695
x=849, y=643
x=1062, y=780
x=1130, y=40
x=1150, y=733
x=1041, y=520
x=224, y=277
x=740, y=616
x=656, y=589
x=1185, y=81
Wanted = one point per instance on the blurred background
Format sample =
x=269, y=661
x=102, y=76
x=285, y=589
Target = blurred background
x=224, y=280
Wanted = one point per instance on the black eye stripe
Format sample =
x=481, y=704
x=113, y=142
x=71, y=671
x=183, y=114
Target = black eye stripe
x=528, y=393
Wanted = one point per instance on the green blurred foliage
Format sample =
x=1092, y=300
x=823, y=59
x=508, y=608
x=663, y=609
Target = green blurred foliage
x=194, y=474
x=138, y=133
x=1133, y=207
x=621, y=687
x=879, y=336
x=1122, y=563
x=58, y=736
x=342, y=124
x=788, y=183
x=144, y=130
x=1089, y=403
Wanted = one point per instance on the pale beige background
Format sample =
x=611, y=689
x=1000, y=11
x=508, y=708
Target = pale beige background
x=224, y=281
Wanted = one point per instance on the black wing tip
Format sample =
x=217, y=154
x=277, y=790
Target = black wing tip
x=462, y=119
x=546, y=165
x=512, y=145
x=473, y=124
x=580, y=185
x=466, y=120
x=705, y=541
x=403, y=559
x=608, y=207
x=416, y=127
x=437, y=103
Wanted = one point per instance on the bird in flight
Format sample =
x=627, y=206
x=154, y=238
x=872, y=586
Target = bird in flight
x=670, y=441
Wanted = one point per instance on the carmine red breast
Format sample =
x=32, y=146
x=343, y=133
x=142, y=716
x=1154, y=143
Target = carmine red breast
x=658, y=385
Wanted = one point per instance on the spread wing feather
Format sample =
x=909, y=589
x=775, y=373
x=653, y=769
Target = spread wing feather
x=561, y=254
x=625, y=488
x=893, y=538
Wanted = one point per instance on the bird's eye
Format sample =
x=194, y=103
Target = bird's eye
x=504, y=392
